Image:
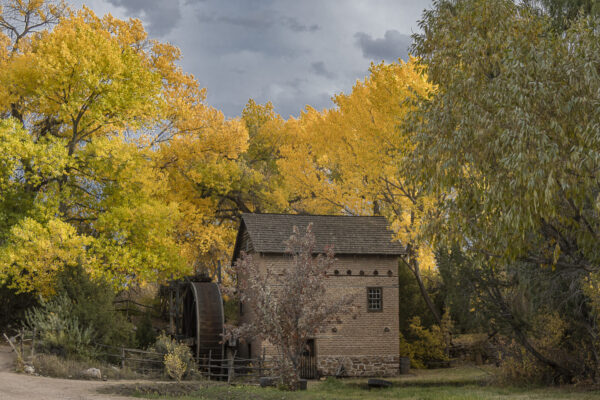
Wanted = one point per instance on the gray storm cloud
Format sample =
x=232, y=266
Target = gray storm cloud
x=392, y=46
x=161, y=16
x=292, y=53
x=320, y=69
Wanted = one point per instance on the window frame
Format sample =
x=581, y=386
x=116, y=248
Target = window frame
x=380, y=309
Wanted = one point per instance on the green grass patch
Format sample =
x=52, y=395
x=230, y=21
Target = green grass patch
x=464, y=383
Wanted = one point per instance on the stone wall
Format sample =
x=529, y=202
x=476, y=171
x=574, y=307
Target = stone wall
x=371, y=366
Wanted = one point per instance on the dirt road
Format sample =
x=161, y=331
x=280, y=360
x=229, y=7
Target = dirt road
x=15, y=386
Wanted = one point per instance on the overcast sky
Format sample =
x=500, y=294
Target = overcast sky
x=290, y=52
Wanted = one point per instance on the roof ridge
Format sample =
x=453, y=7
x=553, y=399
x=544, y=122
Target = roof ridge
x=316, y=215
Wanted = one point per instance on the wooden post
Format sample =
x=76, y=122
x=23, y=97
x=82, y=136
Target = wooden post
x=33, y=343
x=209, y=362
x=177, y=304
x=122, y=357
x=22, y=338
x=231, y=368
x=11, y=345
x=171, y=316
x=261, y=362
x=219, y=271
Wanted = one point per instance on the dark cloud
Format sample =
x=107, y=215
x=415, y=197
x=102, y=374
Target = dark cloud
x=162, y=16
x=259, y=22
x=262, y=21
x=293, y=53
x=392, y=46
x=261, y=31
x=296, y=26
x=319, y=69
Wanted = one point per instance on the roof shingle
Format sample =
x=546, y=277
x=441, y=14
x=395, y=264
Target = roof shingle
x=347, y=234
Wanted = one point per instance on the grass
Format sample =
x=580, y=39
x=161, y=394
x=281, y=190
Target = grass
x=59, y=367
x=464, y=383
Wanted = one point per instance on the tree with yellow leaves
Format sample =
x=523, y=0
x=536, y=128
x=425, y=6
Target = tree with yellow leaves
x=85, y=103
x=220, y=171
x=355, y=159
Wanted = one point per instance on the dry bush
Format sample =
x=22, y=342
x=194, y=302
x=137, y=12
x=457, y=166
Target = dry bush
x=58, y=367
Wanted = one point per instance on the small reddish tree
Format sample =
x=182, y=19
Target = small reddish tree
x=289, y=306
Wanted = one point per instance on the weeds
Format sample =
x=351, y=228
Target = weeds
x=58, y=367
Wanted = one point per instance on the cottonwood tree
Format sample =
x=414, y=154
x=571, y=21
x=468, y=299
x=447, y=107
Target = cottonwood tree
x=220, y=170
x=355, y=159
x=291, y=305
x=85, y=103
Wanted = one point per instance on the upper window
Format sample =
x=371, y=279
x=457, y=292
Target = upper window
x=374, y=299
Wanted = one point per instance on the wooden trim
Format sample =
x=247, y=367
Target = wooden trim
x=380, y=299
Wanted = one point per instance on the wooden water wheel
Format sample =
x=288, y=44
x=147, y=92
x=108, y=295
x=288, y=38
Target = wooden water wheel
x=203, y=319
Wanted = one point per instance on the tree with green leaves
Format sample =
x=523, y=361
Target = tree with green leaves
x=563, y=12
x=511, y=137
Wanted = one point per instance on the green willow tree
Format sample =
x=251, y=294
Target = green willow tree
x=512, y=137
x=565, y=11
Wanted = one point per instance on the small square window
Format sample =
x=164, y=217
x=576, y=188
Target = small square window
x=374, y=299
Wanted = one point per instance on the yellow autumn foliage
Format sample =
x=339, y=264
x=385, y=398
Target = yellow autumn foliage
x=83, y=178
x=355, y=158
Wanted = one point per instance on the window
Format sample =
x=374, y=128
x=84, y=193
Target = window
x=374, y=299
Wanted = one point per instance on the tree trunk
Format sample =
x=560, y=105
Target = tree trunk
x=521, y=336
x=413, y=266
x=560, y=370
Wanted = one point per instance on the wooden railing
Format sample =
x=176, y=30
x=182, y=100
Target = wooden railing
x=230, y=369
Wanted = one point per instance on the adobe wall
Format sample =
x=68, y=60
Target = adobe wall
x=365, y=343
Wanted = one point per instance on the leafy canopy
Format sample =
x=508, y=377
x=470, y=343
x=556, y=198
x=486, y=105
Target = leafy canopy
x=86, y=102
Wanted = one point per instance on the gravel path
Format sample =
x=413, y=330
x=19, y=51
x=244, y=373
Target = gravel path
x=15, y=386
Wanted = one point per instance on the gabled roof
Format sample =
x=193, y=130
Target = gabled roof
x=347, y=234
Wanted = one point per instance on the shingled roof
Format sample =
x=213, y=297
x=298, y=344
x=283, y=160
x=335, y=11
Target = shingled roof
x=347, y=234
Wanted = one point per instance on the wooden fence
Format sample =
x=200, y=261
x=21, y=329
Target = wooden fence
x=230, y=369
x=234, y=368
x=141, y=361
x=224, y=369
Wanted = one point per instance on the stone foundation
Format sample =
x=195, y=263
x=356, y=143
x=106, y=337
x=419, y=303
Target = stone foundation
x=359, y=366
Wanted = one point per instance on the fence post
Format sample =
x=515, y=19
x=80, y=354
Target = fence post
x=33, y=343
x=261, y=362
x=231, y=369
x=209, y=362
x=122, y=357
x=22, y=338
x=11, y=345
